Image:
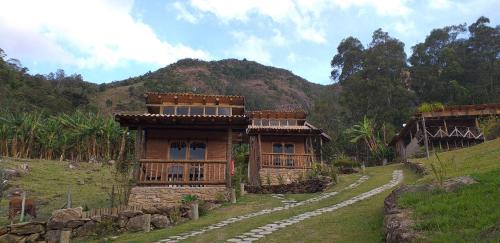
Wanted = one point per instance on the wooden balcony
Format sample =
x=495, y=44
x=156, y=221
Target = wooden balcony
x=182, y=173
x=291, y=161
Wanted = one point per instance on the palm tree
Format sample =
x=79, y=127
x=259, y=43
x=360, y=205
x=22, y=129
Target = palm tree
x=364, y=130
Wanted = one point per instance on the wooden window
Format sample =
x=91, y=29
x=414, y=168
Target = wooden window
x=175, y=173
x=197, y=151
x=292, y=122
x=257, y=122
x=210, y=111
x=265, y=122
x=169, y=110
x=289, y=148
x=178, y=151
x=196, y=111
x=274, y=123
x=277, y=150
x=182, y=110
x=224, y=111
x=283, y=123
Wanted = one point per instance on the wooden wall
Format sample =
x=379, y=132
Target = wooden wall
x=298, y=141
x=157, y=142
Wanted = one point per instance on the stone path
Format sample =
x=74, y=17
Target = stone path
x=286, y=206
x=261, y=232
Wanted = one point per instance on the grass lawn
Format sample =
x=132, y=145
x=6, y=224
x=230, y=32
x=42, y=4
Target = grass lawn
x=471, y=214
x=378, y=176
x=49, y=181
x=480, y=158
x=247, y=204
x=360, y=222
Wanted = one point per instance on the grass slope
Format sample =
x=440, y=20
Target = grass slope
x=470, y=214
x=49, y=181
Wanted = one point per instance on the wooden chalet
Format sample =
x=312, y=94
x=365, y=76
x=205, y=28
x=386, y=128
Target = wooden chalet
x=282, y=146
x=451, y=127
x=184, y=145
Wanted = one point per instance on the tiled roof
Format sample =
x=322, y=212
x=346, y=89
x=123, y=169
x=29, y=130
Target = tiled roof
x=193, y=94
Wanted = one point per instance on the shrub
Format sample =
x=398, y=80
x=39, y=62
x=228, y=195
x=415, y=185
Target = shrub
x=219, y=197
x=439, y=170
x=189, y=199
x=429, y=107
x=490, y=127
x=281, y=180
x=105, y=227
x=175, y=214
x=343, y=160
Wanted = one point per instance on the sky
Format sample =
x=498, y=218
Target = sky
x=112, y=40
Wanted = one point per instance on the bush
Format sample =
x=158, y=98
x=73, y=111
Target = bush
x=343, y=160
x=429, y=107
x=105, y=227
x=187, y=199
x=490, y=127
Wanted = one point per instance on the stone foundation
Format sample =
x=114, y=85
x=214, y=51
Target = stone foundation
x=281, y=176
x=172, y=196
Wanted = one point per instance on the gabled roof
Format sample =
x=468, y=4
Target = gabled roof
x=158, y=98
x=273, y=114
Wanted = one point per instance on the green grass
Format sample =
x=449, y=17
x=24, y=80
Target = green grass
x=360, y=222
x=483, y=157
x=472, y=213
x=378, y=176
x=246, y=204
x=49, y=182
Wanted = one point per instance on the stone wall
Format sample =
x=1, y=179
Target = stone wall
x=287, y=175
x=172, y=196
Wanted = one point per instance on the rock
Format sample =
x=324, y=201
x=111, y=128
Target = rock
x=87, y=229
x=25, y=167
x=53, y=236
x=27, y=228
x=15, y=192
x=71, y=166
x=160, y=221
x=4, y=230
x=456, y=183
x=72, y=224
x=153, y=210
x=208, y=206
x=12, y=238
x=33, y=238
x=129, y=213
x=139, y=223
x=10, y=173
x=399, y=228
x=60, y=217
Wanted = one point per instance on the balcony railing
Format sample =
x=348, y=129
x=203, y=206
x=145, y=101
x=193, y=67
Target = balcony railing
x=294, y=161
x=179, y=173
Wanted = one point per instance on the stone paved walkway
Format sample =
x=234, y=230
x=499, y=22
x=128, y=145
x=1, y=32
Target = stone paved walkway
x=288, y=205
x=261, y=232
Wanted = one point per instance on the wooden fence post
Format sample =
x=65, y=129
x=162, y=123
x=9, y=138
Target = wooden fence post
x=68, y=200
x=23, y=207
x=194, y=211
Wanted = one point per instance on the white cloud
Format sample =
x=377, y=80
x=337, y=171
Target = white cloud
x=382, y=7
x=292, y=57
x=251, y=47
x=405, y=27
x=439, y=4
x=184, y=14
x=86, y=33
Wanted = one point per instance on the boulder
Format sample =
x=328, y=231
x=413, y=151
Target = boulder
x=139, y=223
x=129, y=213
x=27, y=228
x=33, y=238
x=53, y=236
x=12, y=238
x=10, y=173
x=60, y=217
x=72, y=224
x=159, y=221
x=208, y=206
x=86, y=229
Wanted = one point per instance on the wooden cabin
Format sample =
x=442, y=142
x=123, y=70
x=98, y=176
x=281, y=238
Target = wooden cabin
x=184, y=146
x=449, y=128
x=283, y=146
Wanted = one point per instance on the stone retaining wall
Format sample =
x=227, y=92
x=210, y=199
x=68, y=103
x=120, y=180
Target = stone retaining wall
x=274, y=174
x=172, y=196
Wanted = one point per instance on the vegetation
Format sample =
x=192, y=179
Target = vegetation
x=490, y=127
x=469, y=214
x=48, y=182
x=77, y=136
x=428, y=107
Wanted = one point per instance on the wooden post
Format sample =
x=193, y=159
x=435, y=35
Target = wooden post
x=426, y=143
x=138, y=151
x=242, y=189
x=194, y=211
x=65, y=236
x=233, y=195
x=478, y=129
x=23, y=207
x=321, y=149
x=229, y=153
x=259, y=138
x=113, y=196
x=68, y=199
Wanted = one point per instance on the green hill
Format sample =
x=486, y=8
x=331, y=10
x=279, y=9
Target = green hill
x=470, y=214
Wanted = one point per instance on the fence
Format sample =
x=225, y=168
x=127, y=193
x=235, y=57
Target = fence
x=109, y=211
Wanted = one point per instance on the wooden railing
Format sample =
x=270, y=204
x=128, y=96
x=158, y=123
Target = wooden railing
x=296, y=161
x=179, y=173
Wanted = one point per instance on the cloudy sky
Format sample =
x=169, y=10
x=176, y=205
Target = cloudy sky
x=113, y=40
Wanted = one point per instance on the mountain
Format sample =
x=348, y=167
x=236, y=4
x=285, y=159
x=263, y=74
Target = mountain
x=264, y=87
